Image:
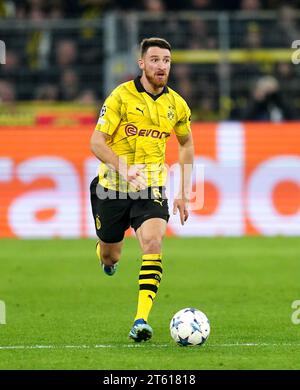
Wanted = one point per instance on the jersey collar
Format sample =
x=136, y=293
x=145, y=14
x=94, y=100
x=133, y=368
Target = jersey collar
x=140, y=88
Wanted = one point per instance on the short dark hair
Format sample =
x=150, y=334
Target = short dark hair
x=154, y=41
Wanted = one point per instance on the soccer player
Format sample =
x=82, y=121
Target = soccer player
x=130, y=139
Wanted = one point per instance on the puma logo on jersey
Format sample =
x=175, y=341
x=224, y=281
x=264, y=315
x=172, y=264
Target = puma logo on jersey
x=140, y=110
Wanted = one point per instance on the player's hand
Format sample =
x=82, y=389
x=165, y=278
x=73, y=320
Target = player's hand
x=136, y=177
x=182, y=206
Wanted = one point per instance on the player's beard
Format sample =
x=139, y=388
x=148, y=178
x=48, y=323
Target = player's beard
x=155, y=82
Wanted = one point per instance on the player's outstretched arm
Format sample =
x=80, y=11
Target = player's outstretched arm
x=186, y=159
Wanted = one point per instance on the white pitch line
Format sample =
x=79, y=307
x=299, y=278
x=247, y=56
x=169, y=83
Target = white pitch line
x=14, y=347
x=97, y=346
x=257, y=345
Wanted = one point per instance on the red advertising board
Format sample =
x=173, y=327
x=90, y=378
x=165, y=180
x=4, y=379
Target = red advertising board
x=251, y=178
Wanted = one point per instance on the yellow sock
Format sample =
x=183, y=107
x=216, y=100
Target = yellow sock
x=149, y=280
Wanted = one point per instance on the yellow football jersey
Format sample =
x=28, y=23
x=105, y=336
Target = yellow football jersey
x=139, y=125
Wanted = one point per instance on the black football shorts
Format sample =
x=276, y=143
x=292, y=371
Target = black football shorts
x=115, y=211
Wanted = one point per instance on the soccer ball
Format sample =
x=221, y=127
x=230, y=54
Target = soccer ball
x=189, y=327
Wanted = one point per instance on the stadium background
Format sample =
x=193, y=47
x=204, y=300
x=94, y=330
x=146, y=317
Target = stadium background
x=235, y=64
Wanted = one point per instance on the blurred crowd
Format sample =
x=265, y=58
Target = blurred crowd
x=67, y=65
x=24, y=9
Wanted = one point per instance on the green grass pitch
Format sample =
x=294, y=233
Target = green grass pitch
x=62, y=312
